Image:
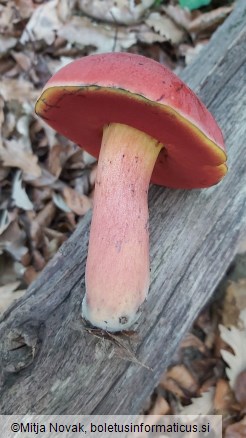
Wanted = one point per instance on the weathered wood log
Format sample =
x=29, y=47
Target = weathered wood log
x=49, y=362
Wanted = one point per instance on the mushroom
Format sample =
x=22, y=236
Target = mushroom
x=145, y=125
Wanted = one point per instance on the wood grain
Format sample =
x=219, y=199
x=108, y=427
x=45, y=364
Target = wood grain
x=49, y=362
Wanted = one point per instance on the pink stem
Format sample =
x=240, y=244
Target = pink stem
x=117, y=269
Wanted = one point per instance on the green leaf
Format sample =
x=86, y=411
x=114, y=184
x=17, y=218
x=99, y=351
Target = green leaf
x=193, y=4
x=157, y=3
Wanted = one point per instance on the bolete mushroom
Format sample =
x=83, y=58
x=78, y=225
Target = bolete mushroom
x=145, y=125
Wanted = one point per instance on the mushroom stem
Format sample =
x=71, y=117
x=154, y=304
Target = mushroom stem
x=117, y=269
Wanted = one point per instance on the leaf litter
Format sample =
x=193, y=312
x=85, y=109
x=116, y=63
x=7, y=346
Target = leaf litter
x=47, y=182
x=208, y=374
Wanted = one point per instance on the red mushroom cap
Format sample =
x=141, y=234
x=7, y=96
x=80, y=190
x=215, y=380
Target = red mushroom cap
x=89, y=93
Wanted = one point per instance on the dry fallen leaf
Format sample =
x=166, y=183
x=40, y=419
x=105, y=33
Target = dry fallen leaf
x=6, y=44
x=93, y=175
x=115, y=11
x=180, y=16
x=8, y=295
x=1, y=117
x=42, y=220
x=240, y=388
x=199, y=406
x=7, y=17
x=44, y=180
x=54, y=65
x=10, y=270
x=236, y=339
x=146, y=35
x=230, y=310
x=171, y=386
x=161, y=407
x=49, y=132
x=79, y=204
x=190, y=52
x=14, y=154
x=13, y=241
x=236, y=430
x=65, y=9
x=206, y=21
x=38, y=260
x=19, y=194
x=60, y=203
x=43, y=24
x=88, y=158
x=4, y=220
x=52, y=242
x=191, y=340
x=165, y=27
x=223, y=397
x=19, y=90
x=54, y=162
x=100, y=37
x=30, y=275
x=181, y=375
x=24, y=61
x=25, y=7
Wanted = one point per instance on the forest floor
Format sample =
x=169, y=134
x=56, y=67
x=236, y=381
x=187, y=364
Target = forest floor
x=47, y=182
